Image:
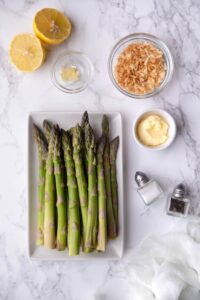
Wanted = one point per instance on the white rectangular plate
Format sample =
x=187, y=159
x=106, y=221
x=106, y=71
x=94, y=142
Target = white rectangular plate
x=66, y=120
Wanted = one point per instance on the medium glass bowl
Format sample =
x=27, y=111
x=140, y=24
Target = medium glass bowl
x=72, y=59
x=137, y=38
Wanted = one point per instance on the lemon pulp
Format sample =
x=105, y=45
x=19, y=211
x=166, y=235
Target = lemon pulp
x=51, y=26
x=26, y=52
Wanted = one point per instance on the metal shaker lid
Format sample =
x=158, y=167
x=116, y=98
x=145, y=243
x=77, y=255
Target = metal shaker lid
x=141, y=178
x=179, y=191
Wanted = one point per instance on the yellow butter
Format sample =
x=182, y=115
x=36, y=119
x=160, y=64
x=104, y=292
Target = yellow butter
x=153, y=131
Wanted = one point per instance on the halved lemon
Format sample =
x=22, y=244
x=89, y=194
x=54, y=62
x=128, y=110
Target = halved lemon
x=51, y=26
x=26, y=52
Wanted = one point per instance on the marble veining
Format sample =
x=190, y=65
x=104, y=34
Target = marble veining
x=97, y=25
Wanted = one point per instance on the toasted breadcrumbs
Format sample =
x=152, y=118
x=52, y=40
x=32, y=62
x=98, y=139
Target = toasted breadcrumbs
x=140, y=68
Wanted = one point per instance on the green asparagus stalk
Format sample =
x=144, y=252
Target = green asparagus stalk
x=42, y=155
x=80, y=176
x=114, y=144
x=92, y=222
x=60, y=191
x=84, y=122
x=111, y=226
x=73, y=197
x=50, y=199
x=102, y=228
x=47, y=127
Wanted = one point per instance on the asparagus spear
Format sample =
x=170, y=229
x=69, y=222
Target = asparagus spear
x=84, y=122
x=80, y=176
x=47, y=126
x=50, y=198
x=91, y=231
x=102, y=228
x=114, y=144
x=111, y=226
x=42, y=154
x=73, y=201
x=60, y=191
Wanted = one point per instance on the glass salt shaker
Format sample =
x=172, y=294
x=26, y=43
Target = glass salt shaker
x=177, y=203
x=148, y=189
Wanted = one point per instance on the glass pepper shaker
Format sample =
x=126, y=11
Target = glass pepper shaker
x=148, y=189
x=177, y=203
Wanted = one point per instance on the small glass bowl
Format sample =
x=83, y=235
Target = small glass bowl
x=82, y=64
x=137, y=38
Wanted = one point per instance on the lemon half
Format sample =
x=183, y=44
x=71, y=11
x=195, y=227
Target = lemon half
x=51, y=26
x=26, y=52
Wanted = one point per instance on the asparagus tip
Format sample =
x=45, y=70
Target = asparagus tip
x=47, y=126
x=85, y=119
x=40, y=140
x=114, y=145
x=46, y=122
x=105, y=125
x=66, y=139
x=89, y=137
x=101, y=144
x=77, y=141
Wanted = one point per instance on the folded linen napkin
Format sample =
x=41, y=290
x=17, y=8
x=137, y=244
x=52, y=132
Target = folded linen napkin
x=166, y=267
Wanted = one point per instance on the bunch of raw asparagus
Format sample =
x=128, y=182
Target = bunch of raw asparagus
x=77, y=188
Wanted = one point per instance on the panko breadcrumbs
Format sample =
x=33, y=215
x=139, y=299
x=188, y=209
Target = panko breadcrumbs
x=140, y=68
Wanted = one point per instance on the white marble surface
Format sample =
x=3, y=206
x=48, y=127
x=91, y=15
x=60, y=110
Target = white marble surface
x=97, y=25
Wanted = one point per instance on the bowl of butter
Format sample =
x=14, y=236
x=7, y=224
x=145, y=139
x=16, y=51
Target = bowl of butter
x=154, y=129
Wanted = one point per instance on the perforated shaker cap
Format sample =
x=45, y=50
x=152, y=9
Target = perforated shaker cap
x=179, y=191
x=141, y=178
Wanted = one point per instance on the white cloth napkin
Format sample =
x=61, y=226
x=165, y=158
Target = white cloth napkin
x=166, y=267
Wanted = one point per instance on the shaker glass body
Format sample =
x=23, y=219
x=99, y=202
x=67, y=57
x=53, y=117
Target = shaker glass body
x=177, y=206
x=150, y=191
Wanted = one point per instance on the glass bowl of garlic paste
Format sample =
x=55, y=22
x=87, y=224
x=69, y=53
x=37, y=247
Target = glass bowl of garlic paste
x=72, y=72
